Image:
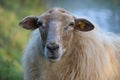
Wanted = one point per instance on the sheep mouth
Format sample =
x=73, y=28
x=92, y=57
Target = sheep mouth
x=53, y=55
x=53, y=58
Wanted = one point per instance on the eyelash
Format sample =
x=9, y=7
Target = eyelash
x=39, y=24
x=71, y=24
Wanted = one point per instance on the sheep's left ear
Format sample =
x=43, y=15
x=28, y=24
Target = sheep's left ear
x=83, y=25
x=29, y=22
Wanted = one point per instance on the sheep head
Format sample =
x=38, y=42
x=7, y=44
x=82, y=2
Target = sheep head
x=56, y=27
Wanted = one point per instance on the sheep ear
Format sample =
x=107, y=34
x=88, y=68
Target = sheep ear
x=83, y=25
x=29, y=23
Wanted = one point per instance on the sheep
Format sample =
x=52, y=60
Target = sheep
x=64, y=47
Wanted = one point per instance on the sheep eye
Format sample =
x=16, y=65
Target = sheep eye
x=39, y=24
x=71, y=24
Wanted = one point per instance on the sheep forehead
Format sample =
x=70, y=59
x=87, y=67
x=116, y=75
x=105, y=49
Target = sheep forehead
x=57, y=10
x=57, y=14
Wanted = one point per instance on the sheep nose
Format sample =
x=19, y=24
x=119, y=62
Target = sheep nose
x=52, y=46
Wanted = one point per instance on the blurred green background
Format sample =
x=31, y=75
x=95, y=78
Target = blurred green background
x=13, y=39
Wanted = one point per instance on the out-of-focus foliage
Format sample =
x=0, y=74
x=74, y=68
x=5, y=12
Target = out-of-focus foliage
x=13, y=38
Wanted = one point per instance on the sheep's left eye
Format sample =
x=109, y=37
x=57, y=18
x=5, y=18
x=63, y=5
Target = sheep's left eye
x=71, y=24
x=39, y=24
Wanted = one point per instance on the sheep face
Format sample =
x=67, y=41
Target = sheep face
x=56, y=27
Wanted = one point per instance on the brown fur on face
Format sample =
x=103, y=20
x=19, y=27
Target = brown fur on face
x=87, y=53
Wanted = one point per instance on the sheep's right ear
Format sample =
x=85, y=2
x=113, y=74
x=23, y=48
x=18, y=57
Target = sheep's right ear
x=29, y=23
x=83, y=25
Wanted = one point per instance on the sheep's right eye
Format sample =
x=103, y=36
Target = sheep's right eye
x=39, y=24
x=71, y=24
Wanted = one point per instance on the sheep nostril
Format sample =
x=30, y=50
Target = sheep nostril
x=52, y=46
